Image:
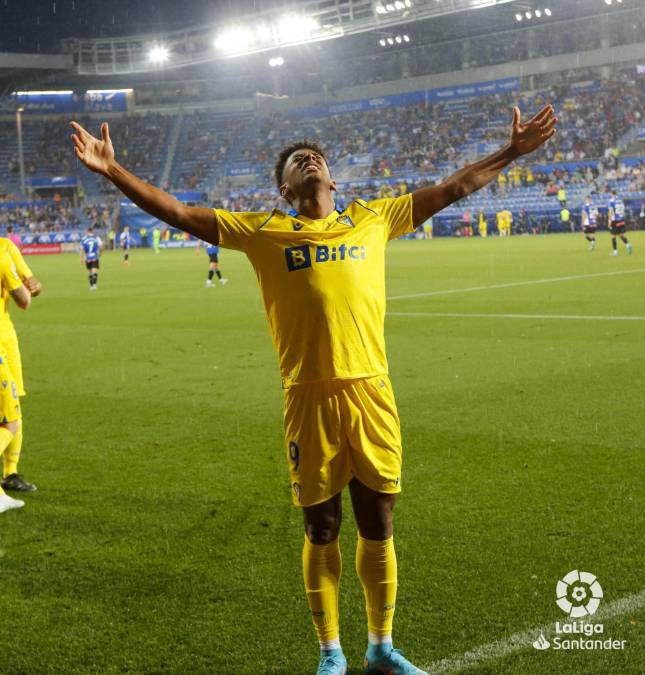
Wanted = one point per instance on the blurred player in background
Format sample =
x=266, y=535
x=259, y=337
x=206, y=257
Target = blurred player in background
x=156, y=238
x=616, y=220
x=589, y=220
x=90, y=250
x=124, y=242
x=13, y=237
x=482, y=225
x=212, y=252
x=11, y=285
x=322, y=278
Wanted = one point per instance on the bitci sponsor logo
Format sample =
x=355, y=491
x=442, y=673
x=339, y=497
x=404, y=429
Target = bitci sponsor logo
x=301, y=257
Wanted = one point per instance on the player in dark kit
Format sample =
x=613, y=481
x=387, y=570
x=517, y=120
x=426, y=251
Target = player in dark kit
x=213, y=265
x=322, y=277
x=589, y=218
x=616, y=222
x=90, y=251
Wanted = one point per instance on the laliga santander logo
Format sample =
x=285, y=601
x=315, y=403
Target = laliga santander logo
x=578, y=594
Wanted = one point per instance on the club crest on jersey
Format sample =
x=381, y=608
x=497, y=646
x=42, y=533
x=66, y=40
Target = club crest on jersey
x=300, y=257
x=345, y=220
x=297, y=226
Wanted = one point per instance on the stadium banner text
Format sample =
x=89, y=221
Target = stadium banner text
x=58, y=103
x=41, y=249
x=426, y=96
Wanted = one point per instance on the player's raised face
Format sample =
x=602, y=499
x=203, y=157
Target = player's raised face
x=304, y=168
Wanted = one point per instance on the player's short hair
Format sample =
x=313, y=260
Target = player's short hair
x=304, y=144
x=613, y=192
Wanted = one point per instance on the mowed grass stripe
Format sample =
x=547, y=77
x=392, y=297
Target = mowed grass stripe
x=471, y=315
x=513, y=284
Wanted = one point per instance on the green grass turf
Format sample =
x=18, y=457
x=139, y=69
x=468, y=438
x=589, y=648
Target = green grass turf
x=162, y=538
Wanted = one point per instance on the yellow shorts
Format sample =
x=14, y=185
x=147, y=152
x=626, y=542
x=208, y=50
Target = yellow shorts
x=338, y=429
x=9, y=399
x=9, y=346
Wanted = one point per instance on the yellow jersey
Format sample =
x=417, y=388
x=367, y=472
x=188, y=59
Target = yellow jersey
x=9, y=279
x=323, y=284
x=22, y=269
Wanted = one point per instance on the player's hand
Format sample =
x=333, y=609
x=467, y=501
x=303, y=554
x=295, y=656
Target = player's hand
x=33, y=286
x=97, y=154
x=528, y=137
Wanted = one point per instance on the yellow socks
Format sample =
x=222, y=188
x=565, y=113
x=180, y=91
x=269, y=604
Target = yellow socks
x=5, y=439
x=12, y=454
x=376, y=567
x=321, y=566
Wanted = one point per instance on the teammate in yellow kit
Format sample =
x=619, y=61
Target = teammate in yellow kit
x=11, y=479
x=321, y=274
x=11, y=286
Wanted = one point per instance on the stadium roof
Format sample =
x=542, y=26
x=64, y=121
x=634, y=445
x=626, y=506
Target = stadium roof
x=38, y=26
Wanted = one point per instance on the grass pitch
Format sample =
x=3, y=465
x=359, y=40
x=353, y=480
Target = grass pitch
x=162, y=538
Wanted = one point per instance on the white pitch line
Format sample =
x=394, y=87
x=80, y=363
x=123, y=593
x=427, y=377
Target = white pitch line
x=475, y=315
x=499, y=649
x=513, y=284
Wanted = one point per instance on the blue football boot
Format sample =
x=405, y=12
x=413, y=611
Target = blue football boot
x=332, y=662
x=384, y=660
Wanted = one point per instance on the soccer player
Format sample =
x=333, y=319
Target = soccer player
x=322, y=277
x=124, y=241
x=616, y=221
x=482, y=225
x=156, y=238
x=12, y=286
x=589, y=220
x=213, y=265
x=12, y=236
x=90, y=250
x=11, y=479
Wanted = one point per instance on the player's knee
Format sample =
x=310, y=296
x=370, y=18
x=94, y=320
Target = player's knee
x=378, y=527
x=323, y=529
x=375, y=519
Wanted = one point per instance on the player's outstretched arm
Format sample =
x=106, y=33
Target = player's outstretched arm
x=525, y=138
x=98, y=155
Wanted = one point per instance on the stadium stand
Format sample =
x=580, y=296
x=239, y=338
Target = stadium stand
x=229, y=157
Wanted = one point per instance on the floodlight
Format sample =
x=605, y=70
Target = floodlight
x=538, y=13
x=382, y=42
x=159, y=54
x=518, y=16
x=390, y=41
x=406, y=38
x=276, y=61
x=547, y=11
x=528, y=15
x=294, y=28
x=380, y=9
x=234, y=40
x=263, y=32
